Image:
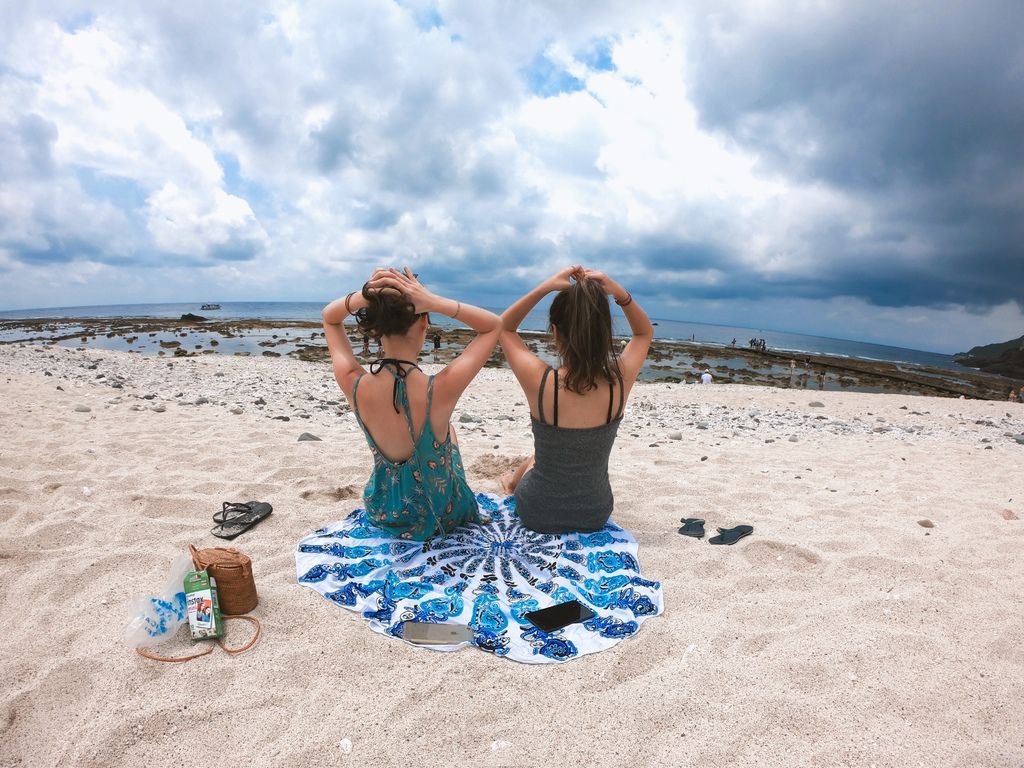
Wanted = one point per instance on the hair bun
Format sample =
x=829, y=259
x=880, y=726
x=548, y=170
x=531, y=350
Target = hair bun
x=386, y=314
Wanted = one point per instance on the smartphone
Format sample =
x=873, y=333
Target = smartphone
x=558, y=616
x=426, y=633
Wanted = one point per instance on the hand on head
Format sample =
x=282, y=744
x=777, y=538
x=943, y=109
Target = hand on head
x=564, y=278
x=403, y=283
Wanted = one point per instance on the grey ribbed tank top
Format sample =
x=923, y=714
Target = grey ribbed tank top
x=567, y=489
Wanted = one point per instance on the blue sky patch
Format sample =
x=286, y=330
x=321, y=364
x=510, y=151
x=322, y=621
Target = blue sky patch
x=599, y=56
x=544, y=78
x=124, y=193
x=77, y=21
x=259, y=199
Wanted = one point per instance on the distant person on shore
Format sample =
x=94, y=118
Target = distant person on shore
x=734, y=341
x=577, y=407
x=706, y=378
x=437, y=344
x=1012, y=396
x=821, y=380
x=417, y=488
x=366, y=346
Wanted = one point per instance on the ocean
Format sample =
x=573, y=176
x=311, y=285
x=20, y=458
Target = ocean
x=665, y=329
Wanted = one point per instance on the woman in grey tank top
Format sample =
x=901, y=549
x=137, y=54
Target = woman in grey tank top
x=575, y=408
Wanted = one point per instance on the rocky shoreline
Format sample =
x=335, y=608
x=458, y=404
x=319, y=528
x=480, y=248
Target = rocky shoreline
x=669, y=361
x=306, y=394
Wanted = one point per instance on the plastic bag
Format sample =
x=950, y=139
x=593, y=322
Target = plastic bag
x=156, y=619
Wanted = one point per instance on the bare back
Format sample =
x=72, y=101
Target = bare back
x=386, y=425
x=576, y=411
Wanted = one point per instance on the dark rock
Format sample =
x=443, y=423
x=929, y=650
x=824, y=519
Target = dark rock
x=259, y=401
x=47, y=373
x=202, y=400
x=282, y=418
x=306, y=437
x=816, y=404
x=170, y=344
x=268, y=353
x=926, y=523
x=82, y=409
x=188, y=317
x=703, y=458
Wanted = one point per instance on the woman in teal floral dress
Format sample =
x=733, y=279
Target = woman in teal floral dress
x=418, y=486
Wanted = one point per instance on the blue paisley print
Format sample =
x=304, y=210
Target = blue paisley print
x=487, y=575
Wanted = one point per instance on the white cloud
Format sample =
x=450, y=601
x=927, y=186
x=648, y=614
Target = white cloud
x=321, y=139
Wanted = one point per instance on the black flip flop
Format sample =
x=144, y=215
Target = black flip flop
x=692, y=527
x=731, y=535
x=232, y=510
x=236, y=526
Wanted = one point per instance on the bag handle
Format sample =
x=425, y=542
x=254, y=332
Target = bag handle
x=230, y=651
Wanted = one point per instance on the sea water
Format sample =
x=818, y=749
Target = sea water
x=665, y=329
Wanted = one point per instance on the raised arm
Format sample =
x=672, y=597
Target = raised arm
x=346, y=366
x=527, y=367
x=632, y=358
x=450, y=383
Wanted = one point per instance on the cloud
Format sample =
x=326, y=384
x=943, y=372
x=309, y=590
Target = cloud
x=736, y=154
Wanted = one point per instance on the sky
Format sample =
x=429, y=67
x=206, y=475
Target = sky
x=847, y=169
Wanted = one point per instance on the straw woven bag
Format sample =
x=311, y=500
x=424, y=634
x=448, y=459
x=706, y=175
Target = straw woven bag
x=236, y=587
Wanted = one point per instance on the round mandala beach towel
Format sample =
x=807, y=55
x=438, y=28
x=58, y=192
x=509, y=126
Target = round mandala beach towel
x=485, y=576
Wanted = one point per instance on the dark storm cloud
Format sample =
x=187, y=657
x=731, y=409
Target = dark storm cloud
x=918, y=110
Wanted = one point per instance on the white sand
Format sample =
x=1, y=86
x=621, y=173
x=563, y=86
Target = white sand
x=840, y=633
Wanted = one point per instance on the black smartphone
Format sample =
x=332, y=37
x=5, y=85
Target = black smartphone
x=558, y=616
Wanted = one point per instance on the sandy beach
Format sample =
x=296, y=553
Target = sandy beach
x=874, y=618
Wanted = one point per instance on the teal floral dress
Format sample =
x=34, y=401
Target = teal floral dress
x=425, y=495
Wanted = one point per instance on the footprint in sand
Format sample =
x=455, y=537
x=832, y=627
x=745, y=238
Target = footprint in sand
x=775, y=554
x=491, y=467
x=350, y=491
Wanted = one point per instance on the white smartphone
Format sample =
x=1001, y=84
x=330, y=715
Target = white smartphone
x=426, y=633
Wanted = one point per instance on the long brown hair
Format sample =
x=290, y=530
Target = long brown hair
x=583, y=319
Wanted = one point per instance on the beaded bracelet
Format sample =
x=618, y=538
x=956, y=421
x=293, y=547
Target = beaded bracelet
x=627, y=301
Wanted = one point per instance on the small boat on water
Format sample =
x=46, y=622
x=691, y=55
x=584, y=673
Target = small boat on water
x=210, y=306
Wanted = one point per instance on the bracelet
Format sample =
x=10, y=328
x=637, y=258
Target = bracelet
x=347, y=300
x=627, y=301
x=458, y=308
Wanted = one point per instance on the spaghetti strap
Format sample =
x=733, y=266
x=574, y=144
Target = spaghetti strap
x=355, y=386
x=556, y=397
x=430, y=394
x=622, y=394
x=540, y=394
x=611, y=400
x=403, y=400
x=611, y=396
